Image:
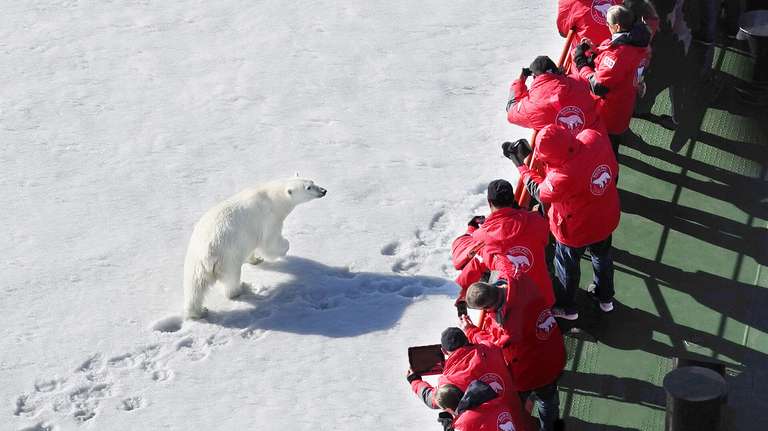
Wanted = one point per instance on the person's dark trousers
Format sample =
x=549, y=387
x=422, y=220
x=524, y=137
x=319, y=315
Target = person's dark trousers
x=547, y=403
x=569, y=272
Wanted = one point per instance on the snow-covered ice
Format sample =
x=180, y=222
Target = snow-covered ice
x=122, y=122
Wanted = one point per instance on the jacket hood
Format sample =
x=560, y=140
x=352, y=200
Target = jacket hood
x=639, y=35
x=555, y=145
x=499, y=224
x=476, y=394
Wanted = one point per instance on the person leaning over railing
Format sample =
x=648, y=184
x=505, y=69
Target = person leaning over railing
x=465, y=363
x=586, y=18
x=510, y=231
x=578, y=186
x=614, y=68
x=518, y=319
x=552, y=98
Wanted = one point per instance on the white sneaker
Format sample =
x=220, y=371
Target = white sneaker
x=563, y=314
x=607, y=307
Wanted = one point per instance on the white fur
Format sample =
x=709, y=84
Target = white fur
x=247, y=226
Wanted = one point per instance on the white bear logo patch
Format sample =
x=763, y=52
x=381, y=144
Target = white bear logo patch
x=521, y=257
x=504, y=422
x=544, y=324
x=600, y=10
x=571, y=118
x=495, y=382
x=598, y=183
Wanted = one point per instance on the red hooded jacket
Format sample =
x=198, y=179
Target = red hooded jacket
x=517, y=234
x=619, y=66
x=525, y=328
x=586, y=18
x=482, y=362
x=553, y=99
x=579, y=187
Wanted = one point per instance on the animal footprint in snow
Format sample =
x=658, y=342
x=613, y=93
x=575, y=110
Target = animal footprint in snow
x=93, y=368
x=162, y=375
x=252, y=333
x=25, y=406
x=121, y=361
x=85, y=400
x=217, y=340
x=194, y=350
x=131, y=404
x=42, y=426
x=48, y=385
x=84, y=414
x=390, y=249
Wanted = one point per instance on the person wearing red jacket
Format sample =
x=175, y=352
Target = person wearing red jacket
x=518, y=319
x=552, y=98
x=614, y=69
x=466, y=363
x=479, y=408
x=520, y=236
x=579, y=188
x=586, y=18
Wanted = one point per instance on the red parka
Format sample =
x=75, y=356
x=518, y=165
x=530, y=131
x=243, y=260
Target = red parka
x=524, y=327
x=586, y=18
x=579, y=186
x=553, y=99
x=491, y=415
x=480, y=409
x=619, y=65
x=483, y=362
x=518, y=235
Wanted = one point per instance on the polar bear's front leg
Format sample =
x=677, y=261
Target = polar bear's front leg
x=276, y=248
x=230, y=279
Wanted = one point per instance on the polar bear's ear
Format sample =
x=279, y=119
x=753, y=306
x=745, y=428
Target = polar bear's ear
x=297, y=174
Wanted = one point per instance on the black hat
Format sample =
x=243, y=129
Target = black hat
x=543, y=64
x=501, y=193
x=452, y=339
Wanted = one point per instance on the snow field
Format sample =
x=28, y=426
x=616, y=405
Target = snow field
x=122, y=122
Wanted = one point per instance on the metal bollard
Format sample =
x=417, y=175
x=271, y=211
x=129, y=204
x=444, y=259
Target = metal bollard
x=695, y=397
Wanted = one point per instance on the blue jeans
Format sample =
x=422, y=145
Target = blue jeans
x=547, y=403
x=568, y=272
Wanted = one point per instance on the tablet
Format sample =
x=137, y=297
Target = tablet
x=426, y=360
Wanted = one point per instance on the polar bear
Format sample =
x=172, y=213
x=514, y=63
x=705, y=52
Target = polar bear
x=246, y=227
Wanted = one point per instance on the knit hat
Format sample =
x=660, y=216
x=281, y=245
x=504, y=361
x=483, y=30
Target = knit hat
x=501, y=193
x=452, y=339
x=543, y=64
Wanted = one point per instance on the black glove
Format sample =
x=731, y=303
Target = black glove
x=446, y=420
x=413, y=376
x=517, y=151
x=582, y=55
x=476, y=221
x=526, y=72
x=461, y=308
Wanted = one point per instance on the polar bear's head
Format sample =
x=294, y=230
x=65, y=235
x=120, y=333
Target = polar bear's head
x=300, y=190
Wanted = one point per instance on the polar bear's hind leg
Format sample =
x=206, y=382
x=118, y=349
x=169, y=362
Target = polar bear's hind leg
x=197, y=281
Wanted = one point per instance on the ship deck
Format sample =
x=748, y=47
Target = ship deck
x=689, y=253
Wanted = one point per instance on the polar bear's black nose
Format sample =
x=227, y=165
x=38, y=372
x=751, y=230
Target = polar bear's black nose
x=322, y=191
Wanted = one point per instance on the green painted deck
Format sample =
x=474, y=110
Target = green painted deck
x=689, y=256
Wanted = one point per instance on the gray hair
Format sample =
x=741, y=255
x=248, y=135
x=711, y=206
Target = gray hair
x=620, y=15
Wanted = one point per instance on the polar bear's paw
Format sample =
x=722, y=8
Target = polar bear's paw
x=255, y=260
x=197, y=314
x=234, y=291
